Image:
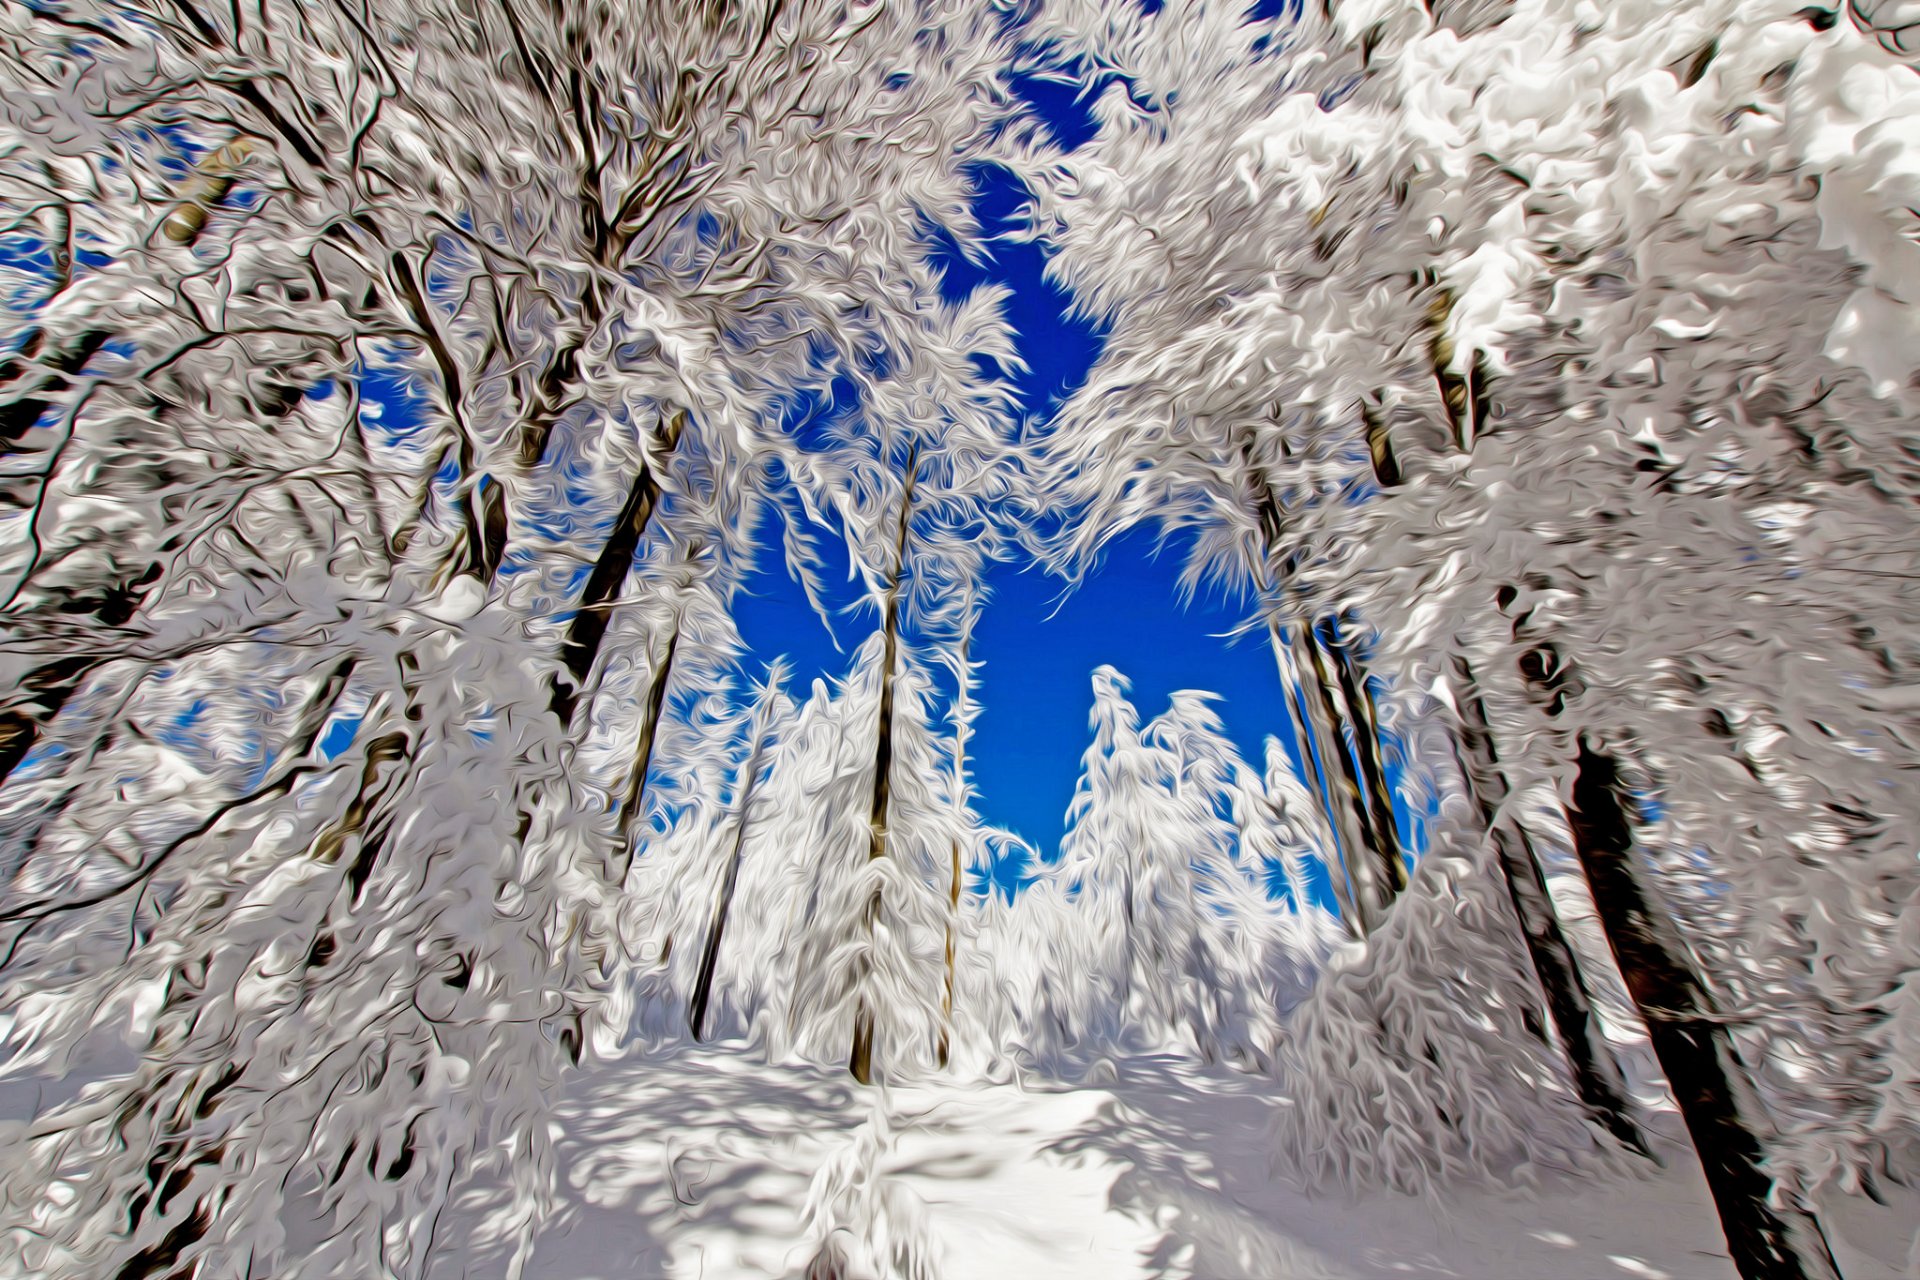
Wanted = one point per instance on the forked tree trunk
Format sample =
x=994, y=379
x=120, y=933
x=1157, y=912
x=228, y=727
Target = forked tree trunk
x=1373, y=863
x=710, y=954
x=1596, y=1075
x=1689, y=1038
x=860, y=1057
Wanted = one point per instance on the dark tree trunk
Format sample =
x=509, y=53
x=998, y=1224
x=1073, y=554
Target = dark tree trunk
x=860, y=1057
x=588, y=629
x=1302, y=662
x=1596, y=1076
x=710, y=954
x=633, y=807
x=1690, y=1040
x=1373, y=863
x=1320, y=747
x=1373, y=775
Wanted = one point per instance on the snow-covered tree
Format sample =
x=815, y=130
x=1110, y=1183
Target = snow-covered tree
x=1167, y=931
x=866, y=931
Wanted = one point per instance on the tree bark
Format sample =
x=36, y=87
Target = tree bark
x=1596, y=1075
x=632, y=807
x=1689, y=1038
x=1298, y=652
x=953, y=882
x=710, y=954
x=1317, y=746
x=588, y=629
x=860, y=1058
x=1373, y=774
x=946, y=999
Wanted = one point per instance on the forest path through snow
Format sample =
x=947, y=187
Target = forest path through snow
x=699, y=1165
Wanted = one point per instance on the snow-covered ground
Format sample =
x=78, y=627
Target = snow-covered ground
x=704, y=1166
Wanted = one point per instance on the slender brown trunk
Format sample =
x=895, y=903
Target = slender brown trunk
x=860, y=1059
x=710, y=954
x=960, y=718
x=1455, y=394
x=1596, y=1076
x=632, y=808
x=946, y=1001
x=1689, y=1038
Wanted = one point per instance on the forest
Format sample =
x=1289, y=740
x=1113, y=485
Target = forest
x=411, y=866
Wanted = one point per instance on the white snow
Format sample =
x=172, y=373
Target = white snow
x=700, y=1166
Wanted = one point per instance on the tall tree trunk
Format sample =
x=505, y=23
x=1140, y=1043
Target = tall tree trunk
x=580, y=647
x=1366, y=749
x=633, y=806
x=588, y=629
x=1298, y=653
x=960, y=718
x=1689, y=1038
x=1318, y=747
x=710, y=954
x=946, y=997
x=1596, y=1076
x=860, y=1058
x=1373, y=866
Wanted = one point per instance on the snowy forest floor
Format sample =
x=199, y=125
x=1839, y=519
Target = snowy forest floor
x=700, y=1165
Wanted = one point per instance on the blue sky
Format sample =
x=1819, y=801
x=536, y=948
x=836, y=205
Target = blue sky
x=1037, y=654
